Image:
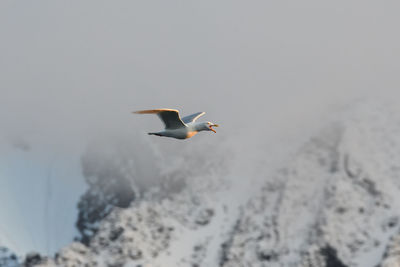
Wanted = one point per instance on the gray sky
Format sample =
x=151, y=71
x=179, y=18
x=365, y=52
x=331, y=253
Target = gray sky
x=68, y=68
x=71, y=70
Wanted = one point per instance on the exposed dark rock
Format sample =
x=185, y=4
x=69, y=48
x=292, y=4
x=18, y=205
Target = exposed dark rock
x=226, y=246
x=331, y=259
x=393, y=222
x=268, y=256
x=114, y=234
x=204, y=217
x=341, y=210
x=33, y=259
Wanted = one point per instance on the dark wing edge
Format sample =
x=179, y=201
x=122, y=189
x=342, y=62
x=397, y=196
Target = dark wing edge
x=154, y=111
x=193, y=117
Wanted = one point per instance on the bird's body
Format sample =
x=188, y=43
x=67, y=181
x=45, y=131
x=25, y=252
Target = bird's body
x=176, y=127
x=188, y=131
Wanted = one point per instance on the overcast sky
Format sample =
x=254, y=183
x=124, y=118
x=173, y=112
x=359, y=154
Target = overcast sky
x=68, y=68
x=71, y=70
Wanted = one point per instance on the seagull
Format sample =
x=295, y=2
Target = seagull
x=177, y=127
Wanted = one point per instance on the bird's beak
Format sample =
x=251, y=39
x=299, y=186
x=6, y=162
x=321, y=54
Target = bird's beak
x=214, y=125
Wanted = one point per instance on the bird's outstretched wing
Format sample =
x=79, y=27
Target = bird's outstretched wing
x=170, y=117
x=193, y=117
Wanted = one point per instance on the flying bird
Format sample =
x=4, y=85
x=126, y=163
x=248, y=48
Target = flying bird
x=177, y=127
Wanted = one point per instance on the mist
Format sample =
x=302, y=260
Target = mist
x=269, y=73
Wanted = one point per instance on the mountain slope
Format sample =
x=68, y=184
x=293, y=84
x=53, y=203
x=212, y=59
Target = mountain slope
x=336, y=203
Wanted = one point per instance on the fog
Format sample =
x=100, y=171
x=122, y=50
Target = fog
x=266, y=71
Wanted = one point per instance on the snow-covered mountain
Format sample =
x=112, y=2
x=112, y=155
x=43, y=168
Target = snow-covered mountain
x=336, y=202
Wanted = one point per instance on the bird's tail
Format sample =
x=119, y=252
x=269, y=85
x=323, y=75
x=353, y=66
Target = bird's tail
x=154, y=134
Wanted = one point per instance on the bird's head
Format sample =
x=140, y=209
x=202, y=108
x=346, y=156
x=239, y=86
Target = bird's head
x=209, y=126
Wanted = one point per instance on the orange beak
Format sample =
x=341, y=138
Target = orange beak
x=215, y=125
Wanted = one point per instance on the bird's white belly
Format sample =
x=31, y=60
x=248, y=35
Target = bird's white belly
x=181, y=133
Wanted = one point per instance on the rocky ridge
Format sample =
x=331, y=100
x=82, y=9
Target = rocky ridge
x=335, y=204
